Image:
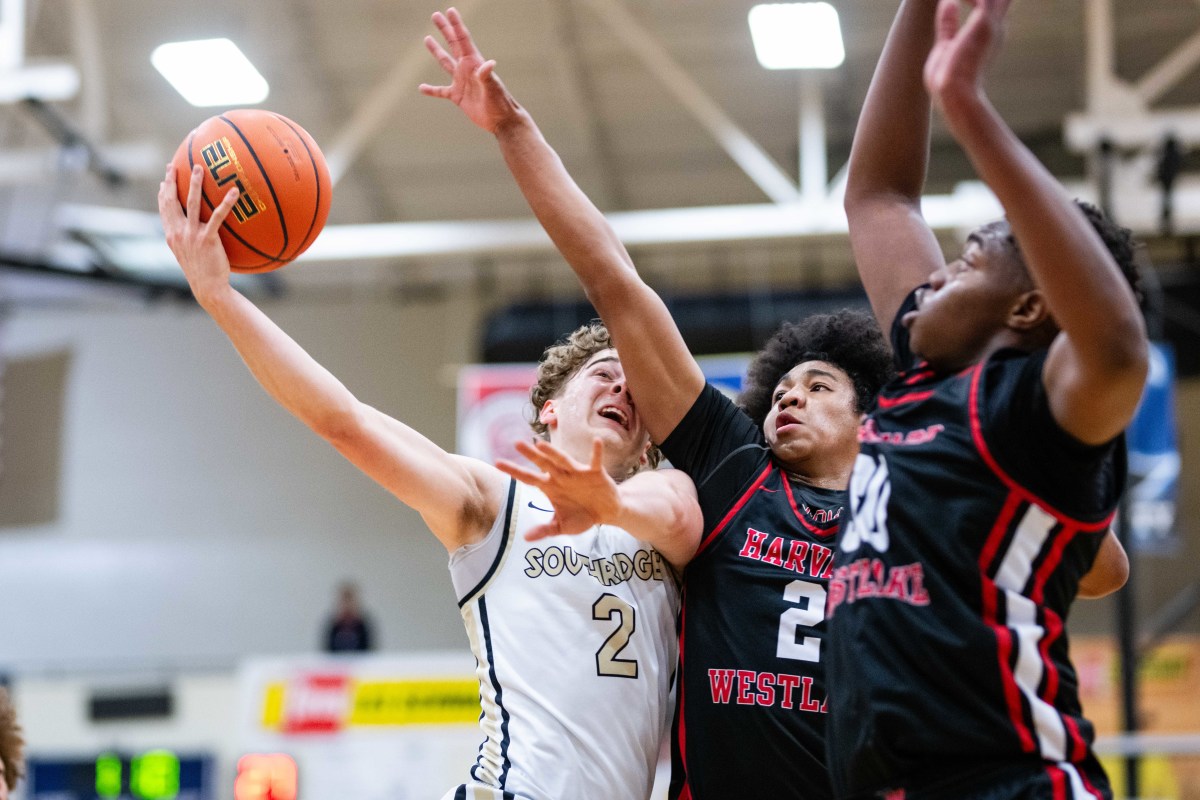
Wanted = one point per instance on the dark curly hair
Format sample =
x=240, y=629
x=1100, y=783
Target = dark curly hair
x=559, y=364
x=1119, y=241
x=848, y=339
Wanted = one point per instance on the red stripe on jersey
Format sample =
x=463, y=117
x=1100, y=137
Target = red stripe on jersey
x=1058, y=781
x=1003, y=523
x=981, y=445
x=991, y=595
x=1091, y=788
x=1052, y=562
x=911, y=397
x=1052, y=624
x=917, y=377
x=759, y=481
x=810, y=527
x=681, y=735
x=1078, y=747
x=1012, y=692
x=1053, y=630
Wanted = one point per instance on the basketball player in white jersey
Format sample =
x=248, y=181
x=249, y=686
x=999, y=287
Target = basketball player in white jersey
x=574, y=635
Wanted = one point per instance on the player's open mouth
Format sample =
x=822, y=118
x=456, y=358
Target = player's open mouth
x=920, y=298
x=785, y=420
x=615, y=414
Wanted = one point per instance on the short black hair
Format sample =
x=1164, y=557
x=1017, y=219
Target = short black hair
x=849, y=339
x=1119, y=241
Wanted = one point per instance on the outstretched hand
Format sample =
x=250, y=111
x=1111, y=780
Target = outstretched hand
x=961, y=52
x=473, y=86
x=583, y=495
x=196, y=245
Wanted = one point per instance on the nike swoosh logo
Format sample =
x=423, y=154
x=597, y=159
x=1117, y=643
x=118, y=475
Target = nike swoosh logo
x=539, y=508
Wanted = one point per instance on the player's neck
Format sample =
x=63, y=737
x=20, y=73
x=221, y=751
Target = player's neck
x=821, y=474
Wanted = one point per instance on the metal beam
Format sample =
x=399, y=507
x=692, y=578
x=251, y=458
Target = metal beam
x=93, y=102
x=397, y=87
x=1170, y=70
x=754, y=161
x=1119, y=112
x=814, y=168
x=136, y=238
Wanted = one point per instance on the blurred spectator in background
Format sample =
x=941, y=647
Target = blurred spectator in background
x=349, y=630
x=12, y=747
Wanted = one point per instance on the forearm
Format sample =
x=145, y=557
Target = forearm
x=661, y=509
x=577, y=228
x=894, y=249
x=663, y=376
x=891, y=144
x=287, y=373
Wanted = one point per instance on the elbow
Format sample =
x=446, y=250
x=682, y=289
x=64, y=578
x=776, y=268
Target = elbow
x=871, y=205
x=612, y=288
x=1127, y=353
x=341, y=425
x=1106, y=582
x=686, y=530
x=1129, y=345
x=1109, y=572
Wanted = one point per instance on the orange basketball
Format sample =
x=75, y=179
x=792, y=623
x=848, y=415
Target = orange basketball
x=282, y=179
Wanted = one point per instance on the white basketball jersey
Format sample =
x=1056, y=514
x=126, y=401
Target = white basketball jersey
x=575, y=641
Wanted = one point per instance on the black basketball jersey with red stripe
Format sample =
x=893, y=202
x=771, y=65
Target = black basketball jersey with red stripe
x=973, y=518
x=751, y=704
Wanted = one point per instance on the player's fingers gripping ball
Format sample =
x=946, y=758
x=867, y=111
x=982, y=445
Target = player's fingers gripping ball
x=283, y=184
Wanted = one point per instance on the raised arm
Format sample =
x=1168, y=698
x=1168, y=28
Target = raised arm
x=893, y=246
x=664, y=378
x=458, y=497
x=1096, y=369
x=660, y=507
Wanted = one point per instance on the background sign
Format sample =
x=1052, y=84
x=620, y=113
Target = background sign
x=494, y=409
x=1154, y=460
x=369, y=727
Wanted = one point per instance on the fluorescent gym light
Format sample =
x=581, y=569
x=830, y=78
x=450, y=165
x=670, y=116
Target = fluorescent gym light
x=210, y=72
x=797, y=36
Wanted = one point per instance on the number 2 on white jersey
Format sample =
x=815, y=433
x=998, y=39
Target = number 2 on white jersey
x=607, y=663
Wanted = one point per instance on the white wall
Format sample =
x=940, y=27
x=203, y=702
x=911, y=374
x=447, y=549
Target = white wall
x=197, y=522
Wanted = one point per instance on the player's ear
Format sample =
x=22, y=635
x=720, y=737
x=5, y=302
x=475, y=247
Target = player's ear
x=548, y=416
x=1028, y=311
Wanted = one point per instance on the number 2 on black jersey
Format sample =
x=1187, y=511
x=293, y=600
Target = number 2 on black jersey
x=808, y=648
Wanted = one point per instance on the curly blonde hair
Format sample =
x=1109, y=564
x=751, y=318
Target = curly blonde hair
x=559, y=364
x=12, y=744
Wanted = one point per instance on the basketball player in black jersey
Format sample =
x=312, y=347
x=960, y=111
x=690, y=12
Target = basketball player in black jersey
x=992, y=465
x=771, y=479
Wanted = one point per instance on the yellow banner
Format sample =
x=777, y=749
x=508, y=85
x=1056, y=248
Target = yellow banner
x=318, y=703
